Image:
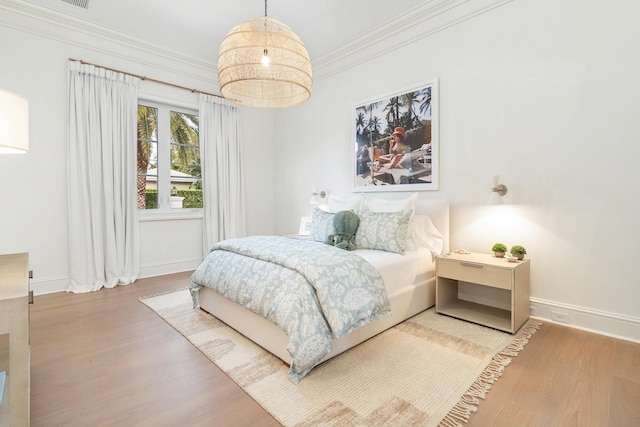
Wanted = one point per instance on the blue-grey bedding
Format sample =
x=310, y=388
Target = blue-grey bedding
x=312, y=291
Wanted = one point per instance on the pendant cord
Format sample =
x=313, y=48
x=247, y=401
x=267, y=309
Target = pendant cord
x=266, y=30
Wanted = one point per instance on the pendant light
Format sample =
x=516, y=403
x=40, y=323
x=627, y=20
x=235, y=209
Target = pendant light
x=263, y=63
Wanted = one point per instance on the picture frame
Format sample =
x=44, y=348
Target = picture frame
x=305, y=226
x=395, y=143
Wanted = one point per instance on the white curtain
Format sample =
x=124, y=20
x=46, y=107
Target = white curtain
x=222, y=171
x=101, y=169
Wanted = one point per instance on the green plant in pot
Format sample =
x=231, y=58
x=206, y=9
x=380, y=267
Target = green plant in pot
x=518, y=251
x=499, y=250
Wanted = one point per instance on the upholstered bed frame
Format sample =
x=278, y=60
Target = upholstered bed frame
x=405, y=303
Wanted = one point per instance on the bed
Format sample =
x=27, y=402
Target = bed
x=408, y=281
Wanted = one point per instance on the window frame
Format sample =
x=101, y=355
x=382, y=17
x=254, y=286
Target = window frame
x=164, y=144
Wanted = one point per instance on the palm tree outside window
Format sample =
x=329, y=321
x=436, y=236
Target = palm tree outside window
x=168, y=158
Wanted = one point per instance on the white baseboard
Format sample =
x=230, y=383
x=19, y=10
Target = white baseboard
x=49, y=286
x=60, y=284
x=174, y=267
x=600, y=322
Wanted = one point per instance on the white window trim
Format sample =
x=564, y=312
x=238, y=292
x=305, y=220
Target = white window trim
x=156, y=215
x=164, y=211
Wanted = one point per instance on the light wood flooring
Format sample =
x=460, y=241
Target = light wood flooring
x=105, y=359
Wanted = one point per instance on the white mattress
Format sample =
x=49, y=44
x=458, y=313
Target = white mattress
x=399, y=271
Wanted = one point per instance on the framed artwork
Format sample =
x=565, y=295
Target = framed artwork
x=395, y=141
x=305, y=226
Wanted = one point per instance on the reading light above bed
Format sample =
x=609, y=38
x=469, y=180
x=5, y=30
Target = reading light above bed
x=317, y=198
x=497, y=191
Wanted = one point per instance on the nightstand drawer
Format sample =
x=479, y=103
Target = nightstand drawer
x=475, y=273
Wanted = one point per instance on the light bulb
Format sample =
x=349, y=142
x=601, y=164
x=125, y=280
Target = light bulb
x=265, y=59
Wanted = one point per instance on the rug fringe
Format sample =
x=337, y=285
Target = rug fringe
x=468, y=403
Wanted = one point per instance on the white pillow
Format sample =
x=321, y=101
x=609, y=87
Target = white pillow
x=422, y=233
x=337, y=204
x=383, y=205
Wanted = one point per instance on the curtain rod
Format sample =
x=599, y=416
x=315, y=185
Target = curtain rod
x=146, y=78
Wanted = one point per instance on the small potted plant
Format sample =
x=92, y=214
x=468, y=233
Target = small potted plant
x=499, y=250
x=518, y=251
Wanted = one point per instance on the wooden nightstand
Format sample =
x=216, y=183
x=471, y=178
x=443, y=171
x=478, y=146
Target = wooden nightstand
x=483, y=289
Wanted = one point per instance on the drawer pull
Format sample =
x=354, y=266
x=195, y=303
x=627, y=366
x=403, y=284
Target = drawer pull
x=472, y=264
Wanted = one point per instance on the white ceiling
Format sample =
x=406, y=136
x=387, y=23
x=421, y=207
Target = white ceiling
x=197, y=27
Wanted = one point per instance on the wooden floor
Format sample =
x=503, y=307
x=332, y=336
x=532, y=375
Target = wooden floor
x=104, y=359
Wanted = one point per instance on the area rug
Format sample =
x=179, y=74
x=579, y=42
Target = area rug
x=431, y=370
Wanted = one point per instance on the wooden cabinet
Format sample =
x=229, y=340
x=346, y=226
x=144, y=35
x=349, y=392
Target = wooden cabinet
x=496, y=290
x=14, y=338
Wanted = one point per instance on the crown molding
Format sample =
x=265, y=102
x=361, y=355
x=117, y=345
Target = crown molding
x=422, y=21
x=58, y=26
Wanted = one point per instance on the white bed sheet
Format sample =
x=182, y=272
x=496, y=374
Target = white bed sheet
x=399, y=271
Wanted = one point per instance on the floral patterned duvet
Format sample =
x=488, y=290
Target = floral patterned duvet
x=314, y=292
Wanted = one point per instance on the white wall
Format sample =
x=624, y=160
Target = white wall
x=542, y=93
x=33, y=207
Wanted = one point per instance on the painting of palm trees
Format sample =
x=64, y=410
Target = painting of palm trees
x=396, y=141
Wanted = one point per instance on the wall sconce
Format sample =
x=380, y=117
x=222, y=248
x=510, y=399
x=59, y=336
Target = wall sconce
x=318, y=198
x=497, y=191
x=14, y=123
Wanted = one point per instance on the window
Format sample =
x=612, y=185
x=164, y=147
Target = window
x=168, y=161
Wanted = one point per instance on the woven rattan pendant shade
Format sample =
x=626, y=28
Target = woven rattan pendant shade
x=245, y=80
